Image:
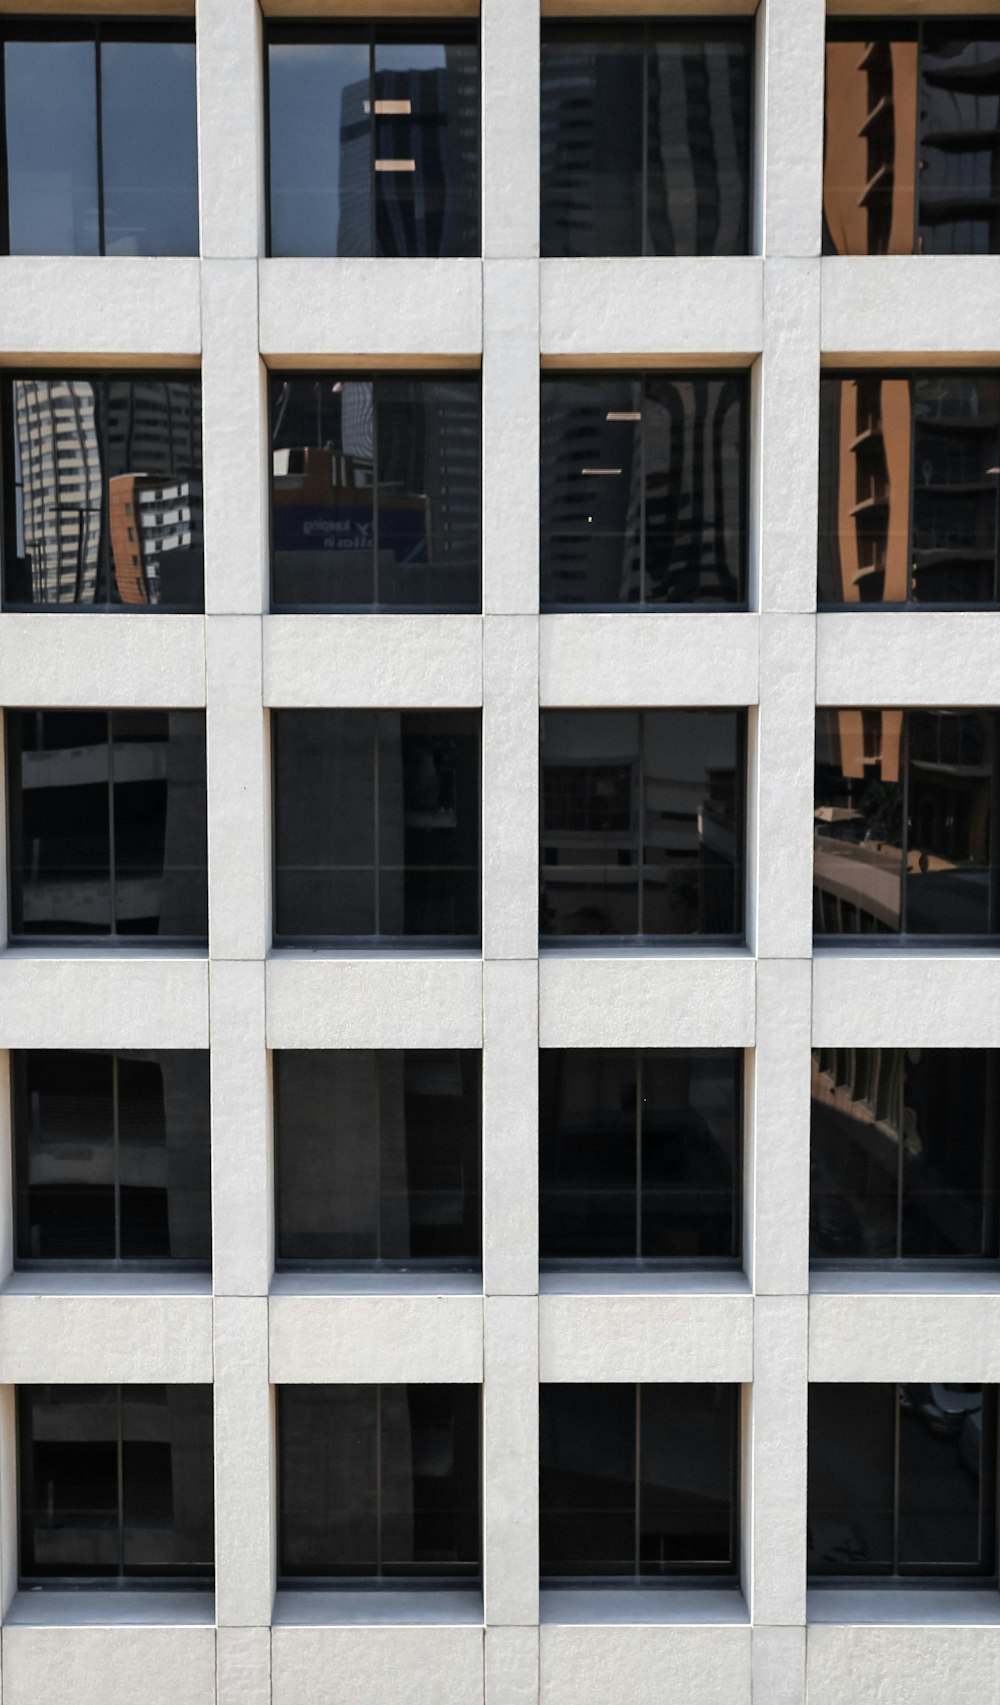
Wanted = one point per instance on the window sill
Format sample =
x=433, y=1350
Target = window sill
x=111, y=1606
x=75, y=1283
x=717, y=1282
x=868, y=1281
x=634, y=947
x=363, y=949
x=870, y=1605
x=642, y=1606
x=296, y=1607
x=104, y=947
x=291, y=1284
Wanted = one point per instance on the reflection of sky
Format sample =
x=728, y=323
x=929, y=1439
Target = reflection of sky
x=307, y=85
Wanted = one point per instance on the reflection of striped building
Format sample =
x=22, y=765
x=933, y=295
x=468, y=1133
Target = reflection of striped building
x=59, y=471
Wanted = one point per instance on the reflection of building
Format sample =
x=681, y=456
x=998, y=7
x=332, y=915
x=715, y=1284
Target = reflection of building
x=59, y=468
x=148, y=519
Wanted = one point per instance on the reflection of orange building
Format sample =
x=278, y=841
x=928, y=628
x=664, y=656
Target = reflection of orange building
x=147, y=519
x=869, y=176
x=874, y=462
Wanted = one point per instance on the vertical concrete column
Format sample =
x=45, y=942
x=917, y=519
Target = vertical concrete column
x=776, y=1576
x=245, y=1523
x=790, y=100
x=235, y=459
x=511, y=127
x=230, y=127
x=510, y=1462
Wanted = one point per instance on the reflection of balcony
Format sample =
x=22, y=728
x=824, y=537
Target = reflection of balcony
x=868, y=505
x=869, y=876
x=869, y=435
x=878, y=186
x=881, y=110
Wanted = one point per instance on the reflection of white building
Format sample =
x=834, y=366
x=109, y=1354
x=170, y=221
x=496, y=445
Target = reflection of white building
x=58, y=469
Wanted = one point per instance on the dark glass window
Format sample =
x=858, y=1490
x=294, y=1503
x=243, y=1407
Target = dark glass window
x=638, y=1482
x=379, y=1482
x=642, y=823
x=904, y=1155
x=116, y=1484
x=374, y=139
x=376, y=825
x=643, y=490
x=107, y=823
x=902, y=1481
x=909, y=489
x=112, y=1158
x=639, y=1155
x=377, y=1156
x=103, y=493
x=646, y=138
x=375, y=491
x=912, y=118
x=100, y=138
x=904, y=840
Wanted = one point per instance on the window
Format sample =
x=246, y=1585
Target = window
x=904, y=1157
x=376, y=825
x=646, y=138
x=100, y=138
x=112, y=1162
x=103, y=506
x=116, y=1484
x=912, y=112
x=375, y=491
x=642, y=823
x=379, y=1483
x=902, y=1481
x=374, y=139
x=909, y=489
x=107, y=824
x=639, y=1155
x=377, y=1157
x=638, y=1482
x=643, y=490
x=904, y=838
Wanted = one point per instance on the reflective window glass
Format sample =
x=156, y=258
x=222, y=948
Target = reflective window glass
x=149, y=132
x=50, y=116
x=376, y=824
x=642, y=823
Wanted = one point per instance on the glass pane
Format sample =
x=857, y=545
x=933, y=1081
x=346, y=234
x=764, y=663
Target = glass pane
x=687, y=1471
x=858, y=842
x=699, y=98
x=690, y=1142
x=591, y=491
x=53, y=530
x=694, y=477
x=949, y=1171
x=950, y=879
x=68, y=1480
x=320, y=148
x=326, y=1155
x=150, y=148
x=587, y=1490
x=325, y=823
x=426, y=148
x=858, y=1131
x=430, y=1134
x=956, y=488
x=591, y=784
x=852, y=1432
x=153, y=459
x=428, y=835
x=65, y=1160
x=943, y=1479
x=428, y=524
x=592, y=143
x=164, y=1156
x=58, y=779
x=168, y=1510
x=587, y=1154
x=161, y=857
x=429, y=1486
x=327, y=1478
x=959, y=119
x=50, y=92
x=866, y=490
x=869, y=177
x=692, y=823
x=322, y=490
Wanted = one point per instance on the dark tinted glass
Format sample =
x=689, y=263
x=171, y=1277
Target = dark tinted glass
x=902, y=1480
x=646, y=139
x=377, y=1157
x=904, y=840
x=912, y=112
x=376, y=824
x=104, y=496
x=112, y=1156
x=904, y=1154
x=642, y=823
x=910, y=498
x=637, y=1481
x=101, y=140
x=116, y=1482
x=378, y=1481
x=374, y=140
x=376, y=492
x=108, y=831
x=643, y=490
x=638, y=1154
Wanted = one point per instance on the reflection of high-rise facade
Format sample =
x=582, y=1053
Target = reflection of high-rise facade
x=61, y=487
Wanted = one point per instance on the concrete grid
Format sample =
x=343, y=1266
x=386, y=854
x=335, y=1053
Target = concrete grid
x=779, y=313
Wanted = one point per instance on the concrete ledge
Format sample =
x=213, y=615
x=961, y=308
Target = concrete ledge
x=643, y=1665
x=920, y=1338
x=433, y=1665
x=83, y=999
x=363, y=1340
x=53, y=659
x=322, y=310
x=682, y=1000
x=908, y=657
x=325, y=1001
x=930, y=309
x=658, y=659
x=923, y=999
x=655, y=310
x=138, y=1339
x=115, y=1665
x=332, y=661
x=98, y=309
x=668, y=1338
x=902, y=1666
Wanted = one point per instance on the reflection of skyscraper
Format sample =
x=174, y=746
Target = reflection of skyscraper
x=58, y=469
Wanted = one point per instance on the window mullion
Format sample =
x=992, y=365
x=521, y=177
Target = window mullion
x=120, y=1419
x=637, y=1535
x=116, y=1159
x=99, y=100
